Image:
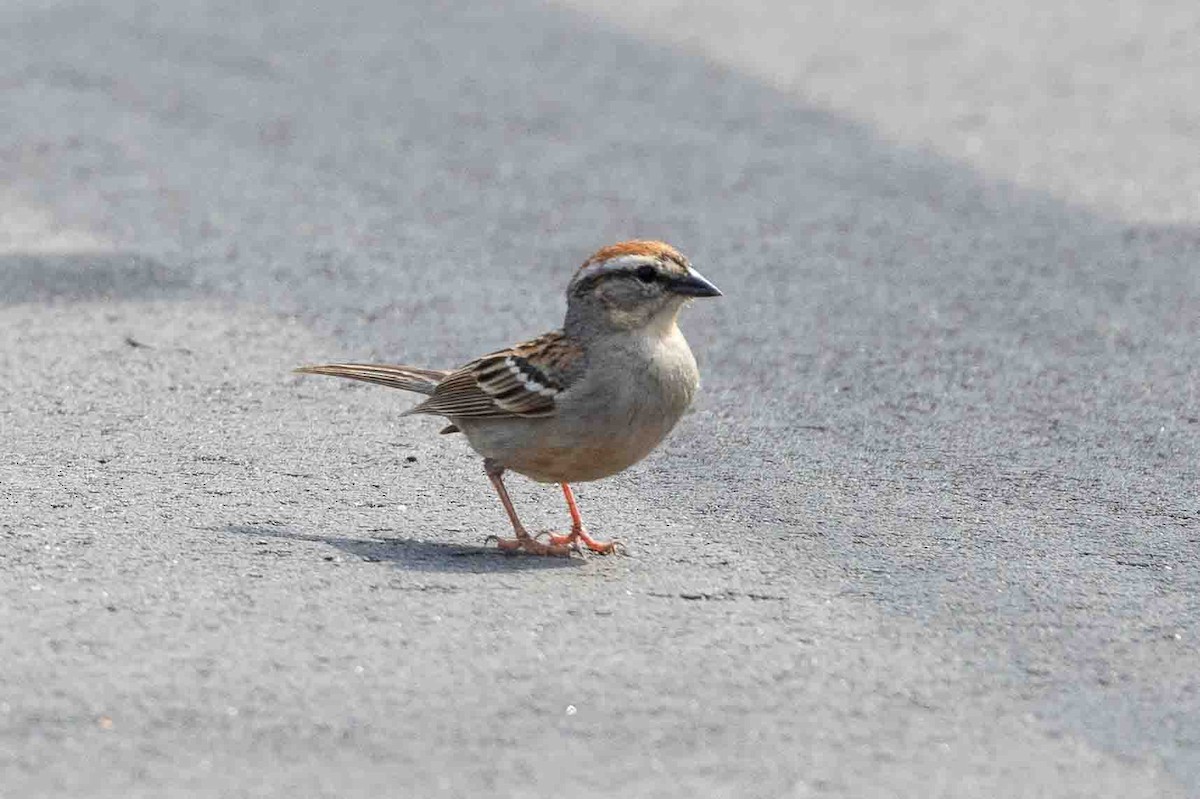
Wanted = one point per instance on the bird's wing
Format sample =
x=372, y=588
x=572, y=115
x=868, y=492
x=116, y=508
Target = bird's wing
x=519, y=381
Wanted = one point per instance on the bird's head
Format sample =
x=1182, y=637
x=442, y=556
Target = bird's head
x=632, y=285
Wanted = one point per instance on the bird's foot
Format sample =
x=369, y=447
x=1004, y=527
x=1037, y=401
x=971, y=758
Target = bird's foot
x=580, y=536
x=530, y=546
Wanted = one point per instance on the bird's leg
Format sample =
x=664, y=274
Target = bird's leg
x=523, y=542
x=578, y=534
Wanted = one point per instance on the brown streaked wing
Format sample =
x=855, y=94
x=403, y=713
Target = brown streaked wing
x=519, y=381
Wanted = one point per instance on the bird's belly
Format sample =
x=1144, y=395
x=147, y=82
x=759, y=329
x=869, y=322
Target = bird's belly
x=585, y=460
x=549, y=454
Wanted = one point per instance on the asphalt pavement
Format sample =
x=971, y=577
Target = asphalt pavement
x=931, y=529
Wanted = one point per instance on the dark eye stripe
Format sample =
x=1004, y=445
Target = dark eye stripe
x=646, y=273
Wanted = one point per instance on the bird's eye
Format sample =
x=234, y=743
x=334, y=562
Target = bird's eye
x=646, y=273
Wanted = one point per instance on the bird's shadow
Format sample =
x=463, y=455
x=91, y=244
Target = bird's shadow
x=414, y=555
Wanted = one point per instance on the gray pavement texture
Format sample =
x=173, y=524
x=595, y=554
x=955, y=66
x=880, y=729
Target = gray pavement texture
x=931, y=530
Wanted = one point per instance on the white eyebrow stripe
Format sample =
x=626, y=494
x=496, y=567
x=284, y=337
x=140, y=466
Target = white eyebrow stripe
x=591, y=271
x=613, y=265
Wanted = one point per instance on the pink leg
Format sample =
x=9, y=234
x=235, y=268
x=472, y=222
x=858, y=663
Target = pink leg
x=577, y=533
x=523, y=541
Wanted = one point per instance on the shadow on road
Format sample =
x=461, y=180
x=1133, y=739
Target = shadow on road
x=88, y=276
x=413, y=555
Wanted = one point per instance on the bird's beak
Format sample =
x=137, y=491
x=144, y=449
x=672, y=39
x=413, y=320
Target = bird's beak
x=694, y=284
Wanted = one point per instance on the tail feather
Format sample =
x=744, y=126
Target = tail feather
x=408, y=378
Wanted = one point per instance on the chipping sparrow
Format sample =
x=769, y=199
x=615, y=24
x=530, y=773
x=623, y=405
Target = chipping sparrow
x=581, y=403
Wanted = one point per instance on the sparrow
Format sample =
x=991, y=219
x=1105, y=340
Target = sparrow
x=577, y=404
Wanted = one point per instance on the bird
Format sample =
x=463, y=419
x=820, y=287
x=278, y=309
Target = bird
x=581, y=403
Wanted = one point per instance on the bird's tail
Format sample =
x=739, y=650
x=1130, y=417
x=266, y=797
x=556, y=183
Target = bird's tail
x=409, y=378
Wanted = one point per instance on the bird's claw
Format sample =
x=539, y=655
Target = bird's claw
x=575, y=537
x=529, y=545
x=613, y=547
